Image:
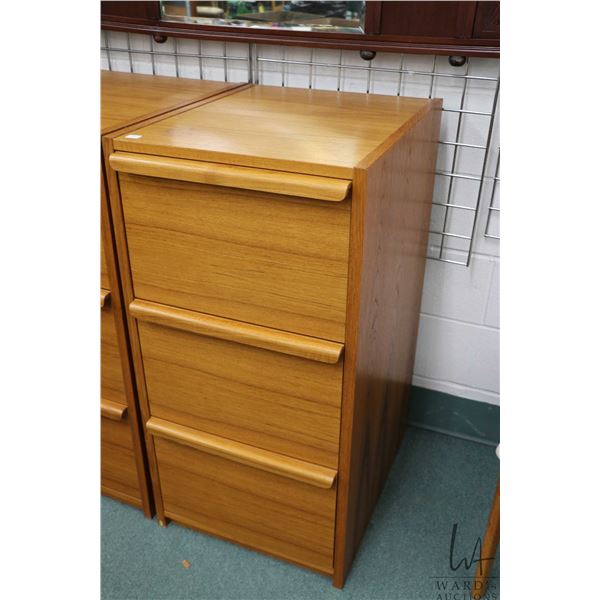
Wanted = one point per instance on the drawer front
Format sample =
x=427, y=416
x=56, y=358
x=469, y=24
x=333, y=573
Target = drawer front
x=260, y=397
x=280, y=516
x=118, y=470
x=112, y=386
x=261, y=258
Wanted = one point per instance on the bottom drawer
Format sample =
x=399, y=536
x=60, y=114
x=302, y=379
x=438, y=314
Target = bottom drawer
x=281, y=516
x=118, y=472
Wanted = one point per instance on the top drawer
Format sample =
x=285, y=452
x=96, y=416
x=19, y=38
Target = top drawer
x=265, y=258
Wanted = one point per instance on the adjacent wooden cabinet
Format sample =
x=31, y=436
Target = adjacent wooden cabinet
x=123, y=473
x=127, y=100
x=271, y=246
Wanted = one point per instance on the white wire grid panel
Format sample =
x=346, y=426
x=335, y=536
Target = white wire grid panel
x=466, y=203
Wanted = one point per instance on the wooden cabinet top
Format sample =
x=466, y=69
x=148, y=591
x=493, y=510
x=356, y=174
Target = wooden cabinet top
x=129, y=98
x=285, y=129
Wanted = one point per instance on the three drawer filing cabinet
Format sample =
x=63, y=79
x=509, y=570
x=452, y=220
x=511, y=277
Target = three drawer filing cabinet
x=272, y=248
x=128, y=100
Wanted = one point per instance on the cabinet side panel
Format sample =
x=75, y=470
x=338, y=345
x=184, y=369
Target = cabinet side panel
x=389, y=232
x=124, y=349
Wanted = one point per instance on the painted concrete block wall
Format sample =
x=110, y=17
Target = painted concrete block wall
x=458, y=344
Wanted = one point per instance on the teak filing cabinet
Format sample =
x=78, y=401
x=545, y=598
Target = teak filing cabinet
x=128, y=100
x=271, y=245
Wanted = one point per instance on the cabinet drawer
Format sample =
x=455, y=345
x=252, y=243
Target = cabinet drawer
x=111, y=374
x=269, y=259
x=254, y=507
x=118, y=470
x=262, y=397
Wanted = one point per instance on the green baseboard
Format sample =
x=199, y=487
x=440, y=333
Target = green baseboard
x=453, y=415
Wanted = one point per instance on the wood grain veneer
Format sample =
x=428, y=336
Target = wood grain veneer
x=256, y=508
x=390, y=222
x=217, y=276
x=244, y=454
x=123, y=464
x=282, y=262
x=285, y=129
x=119, y=475
x=112, y=410
x=261, y=180
x=237, y=331
x=260, y=397
x=112, y=385
x=127, y=100
x=104, y=281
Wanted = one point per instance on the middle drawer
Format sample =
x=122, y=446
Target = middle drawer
x=259, y=386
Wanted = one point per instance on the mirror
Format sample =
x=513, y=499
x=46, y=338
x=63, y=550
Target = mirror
x=294, y=15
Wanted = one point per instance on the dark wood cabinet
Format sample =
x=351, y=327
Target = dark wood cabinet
x=147, y=12
x=459, y=28
x=428, y=19
x=487, y=20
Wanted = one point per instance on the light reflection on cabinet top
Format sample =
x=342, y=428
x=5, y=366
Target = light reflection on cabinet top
x=128, y=98
x=305, y=131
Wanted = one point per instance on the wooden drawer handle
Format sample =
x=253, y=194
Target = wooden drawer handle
x=236, y=331
x=104, y=297
x=260, y=180
x=257, y=458
x=112, y=410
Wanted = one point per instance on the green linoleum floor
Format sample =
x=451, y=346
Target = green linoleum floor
x=436, y=481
